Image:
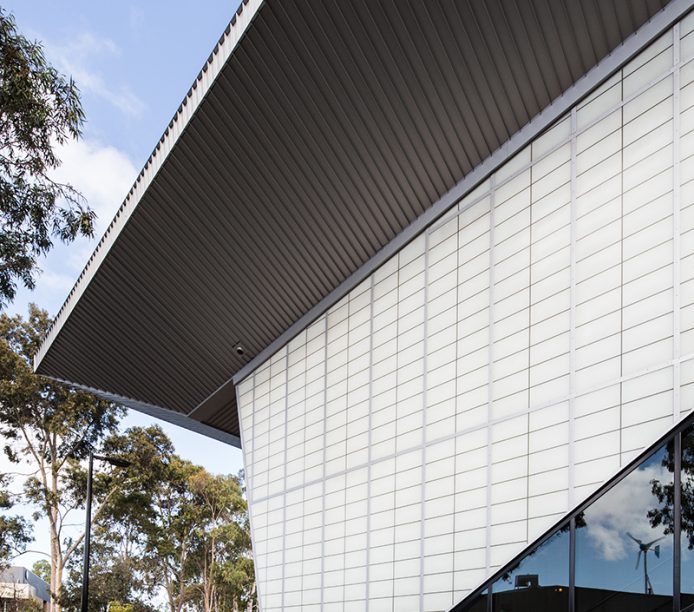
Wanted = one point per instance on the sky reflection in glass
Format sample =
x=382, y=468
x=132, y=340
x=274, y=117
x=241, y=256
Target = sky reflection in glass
x=539, y=582
x=622, y=544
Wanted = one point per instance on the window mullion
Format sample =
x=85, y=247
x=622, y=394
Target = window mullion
x=677, y=522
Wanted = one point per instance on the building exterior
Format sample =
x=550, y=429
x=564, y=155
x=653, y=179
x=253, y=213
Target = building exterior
x=17, y=585
x=494, y=372
x=412, y=423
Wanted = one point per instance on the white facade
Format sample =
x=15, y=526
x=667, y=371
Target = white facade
x=495, y=372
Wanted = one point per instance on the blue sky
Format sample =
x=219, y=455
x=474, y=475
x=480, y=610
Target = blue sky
x=134, y=62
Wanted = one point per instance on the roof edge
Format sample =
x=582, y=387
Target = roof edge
x=234, y=32
x=165, y=414
x=582, y=88
x=212, y=402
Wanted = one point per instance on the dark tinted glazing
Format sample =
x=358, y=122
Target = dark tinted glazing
x=478, y=604
x=539, y=583
x=687, y=541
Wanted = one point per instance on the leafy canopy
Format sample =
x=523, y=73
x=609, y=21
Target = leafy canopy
x=40, y=109
x=169, y=525
x=51, y=428
x=14, y=530
x=162, y=522
x=39, y=417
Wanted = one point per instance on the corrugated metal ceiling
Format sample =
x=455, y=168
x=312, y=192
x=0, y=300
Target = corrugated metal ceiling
x=329, y=129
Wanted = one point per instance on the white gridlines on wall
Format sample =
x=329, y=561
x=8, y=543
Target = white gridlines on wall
x=492, y=374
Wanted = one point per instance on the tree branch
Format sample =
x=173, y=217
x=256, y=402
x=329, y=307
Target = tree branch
x=36, y=552
x=95, y=516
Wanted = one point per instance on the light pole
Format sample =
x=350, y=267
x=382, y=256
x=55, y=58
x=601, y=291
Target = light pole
x=88, y=522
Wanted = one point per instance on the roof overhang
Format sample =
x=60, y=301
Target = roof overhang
x=320, y=137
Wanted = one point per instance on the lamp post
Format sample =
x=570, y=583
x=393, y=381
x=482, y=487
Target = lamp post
x=88, y=522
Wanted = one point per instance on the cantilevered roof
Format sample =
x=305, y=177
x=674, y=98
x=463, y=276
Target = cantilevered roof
x=319, y=138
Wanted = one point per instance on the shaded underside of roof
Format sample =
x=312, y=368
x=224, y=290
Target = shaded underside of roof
x=331, y=127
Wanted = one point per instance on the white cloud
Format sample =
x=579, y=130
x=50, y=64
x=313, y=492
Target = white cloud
x=87, y=44
x=625, y=510
x=55, y=281
x=103, y=175
x=76, y=58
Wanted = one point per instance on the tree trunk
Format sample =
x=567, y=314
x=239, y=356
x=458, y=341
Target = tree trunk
x=206, y=590
x=56, y=553
x=253, y=596
x=58, y=587
x=168, y=586
x=56, y=574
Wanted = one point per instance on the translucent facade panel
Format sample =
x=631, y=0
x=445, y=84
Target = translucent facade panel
x=492, y=374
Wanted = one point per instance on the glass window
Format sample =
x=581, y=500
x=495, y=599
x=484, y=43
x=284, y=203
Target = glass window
x=624, y=543
x=687, y=546
x=478, y=604
x=539, y=582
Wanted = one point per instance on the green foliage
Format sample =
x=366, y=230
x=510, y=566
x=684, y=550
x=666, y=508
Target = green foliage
x=188, y=529
x=36, y=413
x=115, y=606
x=117, y=573
x=20, y=605
x=14, y=530
x=44, y=421
x=161, y=522
x=39, y=109
x=52, y=427
x=170, y=524
x=114, y=579
x=150, y=454
x=220, y=559
x=42, y=569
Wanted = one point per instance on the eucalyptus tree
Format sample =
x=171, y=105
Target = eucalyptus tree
x=15, y=533
x=51, y=428
x=222, y=564
x=40, y=110
x=198, y=546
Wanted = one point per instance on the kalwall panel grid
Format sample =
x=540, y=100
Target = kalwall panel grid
x=494, y=372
